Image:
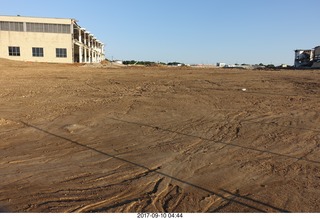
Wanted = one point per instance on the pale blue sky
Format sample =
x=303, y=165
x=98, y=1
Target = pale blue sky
x=189, y=31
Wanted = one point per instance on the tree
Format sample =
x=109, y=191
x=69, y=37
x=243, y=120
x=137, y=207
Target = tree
x=270, y=66
x=132, y=62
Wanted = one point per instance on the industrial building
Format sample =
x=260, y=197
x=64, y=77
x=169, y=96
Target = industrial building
x=54, y=40
x=307, y=58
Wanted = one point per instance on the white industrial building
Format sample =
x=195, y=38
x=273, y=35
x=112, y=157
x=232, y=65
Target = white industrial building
x=48, y=40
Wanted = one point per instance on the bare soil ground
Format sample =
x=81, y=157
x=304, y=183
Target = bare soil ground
x=80, y=139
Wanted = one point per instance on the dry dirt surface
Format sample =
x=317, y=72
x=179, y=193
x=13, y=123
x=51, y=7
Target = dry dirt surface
x=110, y=139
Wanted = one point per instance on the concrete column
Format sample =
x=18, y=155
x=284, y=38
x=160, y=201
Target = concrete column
x=79, y=34
x=85, y=55
x=80, y=54
x=91, y=38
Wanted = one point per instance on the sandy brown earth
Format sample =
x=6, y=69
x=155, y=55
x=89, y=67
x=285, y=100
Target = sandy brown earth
x=106, y=139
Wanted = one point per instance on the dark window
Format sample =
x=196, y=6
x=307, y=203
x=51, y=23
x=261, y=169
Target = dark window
x=11, y=26
x=48, y=28
x=14, y=51
x=61, y=53
x=37, y=52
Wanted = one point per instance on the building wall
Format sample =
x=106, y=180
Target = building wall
x=27, y=40
x=317, y=53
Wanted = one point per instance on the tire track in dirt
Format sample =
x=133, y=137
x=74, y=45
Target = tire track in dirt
x=229, y=144
x=123, y=196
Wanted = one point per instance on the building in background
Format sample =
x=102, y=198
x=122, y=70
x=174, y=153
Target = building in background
x=48, y=40
x=221, y=64
x=316, y=59
x=307, y=58
x=303, y=58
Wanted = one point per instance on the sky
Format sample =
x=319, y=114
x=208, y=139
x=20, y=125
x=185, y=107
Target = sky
x=189, y=31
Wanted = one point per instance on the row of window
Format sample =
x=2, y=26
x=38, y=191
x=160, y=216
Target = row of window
x=35, y=27
x=48, y=28
x=11, y=26
x=37, y=52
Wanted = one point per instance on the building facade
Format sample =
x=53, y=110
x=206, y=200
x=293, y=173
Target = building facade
x=305, y=58
x=54, y=40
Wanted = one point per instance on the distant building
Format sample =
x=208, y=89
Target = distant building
x=307, y=58
x=120, y=62
x=48, y=40
x=303, y=58
x=316, y=60
x=221, y=64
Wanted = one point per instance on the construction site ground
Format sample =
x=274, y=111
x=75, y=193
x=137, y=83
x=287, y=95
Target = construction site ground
x=158, y=139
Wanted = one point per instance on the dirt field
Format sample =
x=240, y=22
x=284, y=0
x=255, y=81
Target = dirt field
x=81, y=139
